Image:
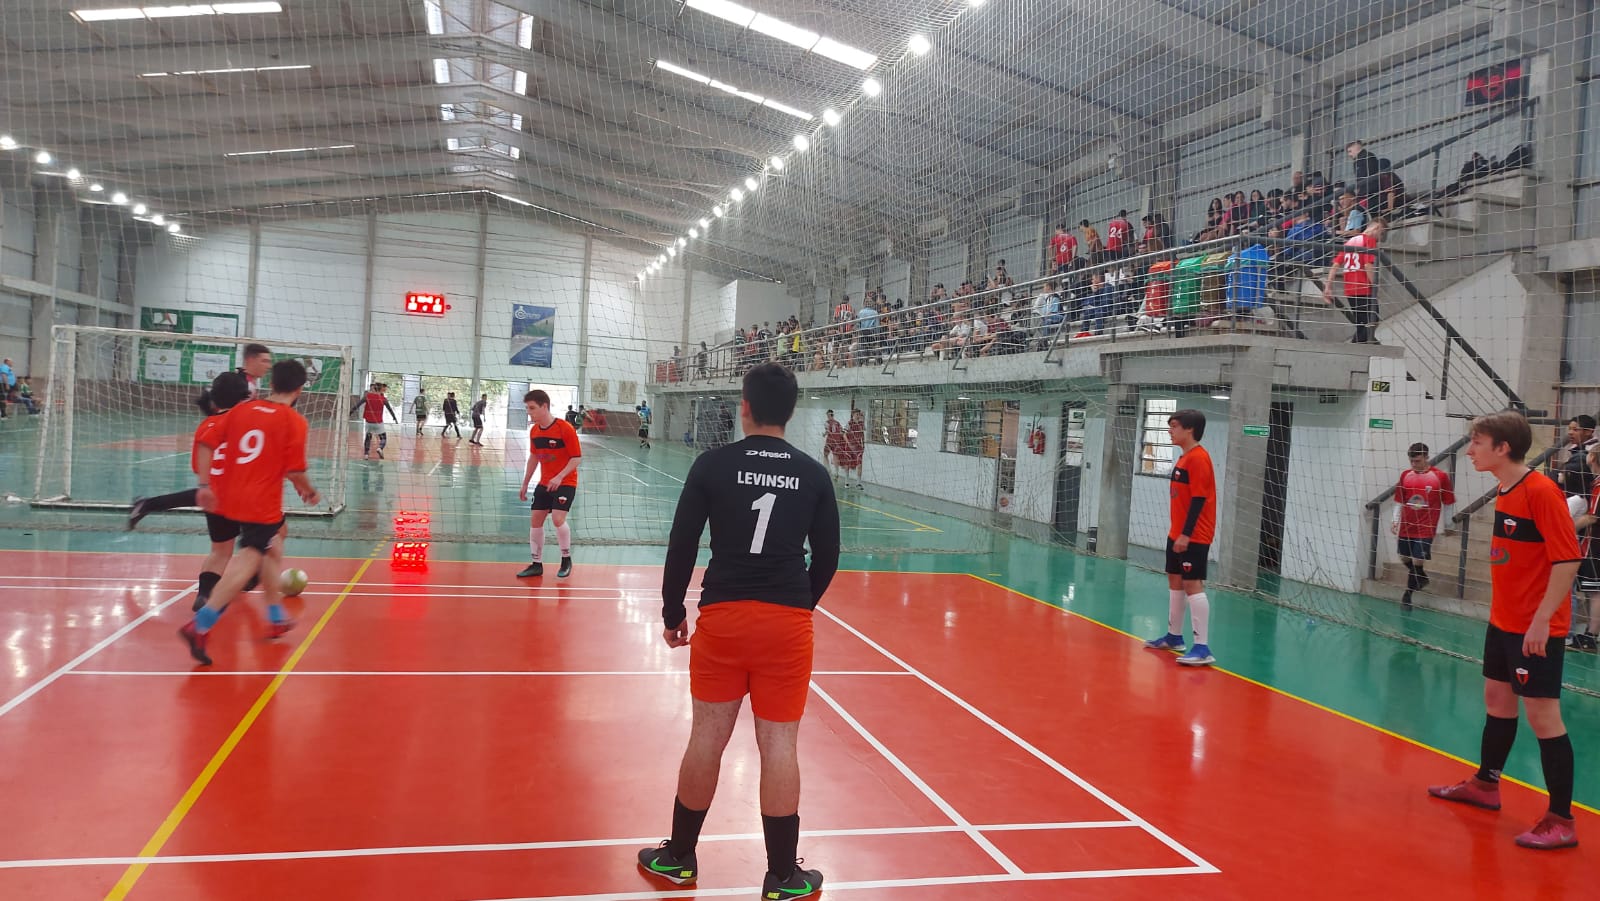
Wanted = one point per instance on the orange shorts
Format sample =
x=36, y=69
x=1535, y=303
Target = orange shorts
x=754, y=648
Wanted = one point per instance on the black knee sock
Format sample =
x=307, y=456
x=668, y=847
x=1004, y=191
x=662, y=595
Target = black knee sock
x=366, y=445
x=1499, y=734
x=1556, y=755
x=208, y=581
x=383, y=441
x=783, y=843
x=686, y=825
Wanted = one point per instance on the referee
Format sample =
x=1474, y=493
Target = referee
x=765, y=499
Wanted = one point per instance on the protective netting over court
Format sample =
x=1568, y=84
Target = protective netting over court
x=1015, y=236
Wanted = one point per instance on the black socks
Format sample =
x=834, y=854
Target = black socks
x=783, y=844
x=686, y=825
x=1499, y=734
x=1556, y=755
x=208, y=581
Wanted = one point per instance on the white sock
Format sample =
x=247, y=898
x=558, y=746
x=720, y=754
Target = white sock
x=536, y=543
x=564, y=536
x=1199, y=615
x=1175, y=604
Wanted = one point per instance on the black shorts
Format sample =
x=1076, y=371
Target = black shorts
x=644, y=431
x=559, y=500
x=477, y=422
x=257, y=536
x=1530, y=677
x=221, y=528
x=1415, y=548
x=1191, y=564
x=1589, y=574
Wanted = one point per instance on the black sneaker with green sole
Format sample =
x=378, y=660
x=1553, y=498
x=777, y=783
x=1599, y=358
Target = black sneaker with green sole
x=659, y=861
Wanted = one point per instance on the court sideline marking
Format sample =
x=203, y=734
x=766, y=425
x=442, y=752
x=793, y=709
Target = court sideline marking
x=1288, y=694
x=1025, y=745
x=99, y=646
x=187, y=802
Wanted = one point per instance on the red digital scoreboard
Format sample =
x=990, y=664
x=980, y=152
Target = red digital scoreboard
x=420, y=304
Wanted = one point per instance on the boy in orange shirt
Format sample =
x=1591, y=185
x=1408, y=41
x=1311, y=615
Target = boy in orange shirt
x=1194, y=524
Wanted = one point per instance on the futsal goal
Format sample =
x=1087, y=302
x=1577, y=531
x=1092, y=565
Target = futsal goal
x=119, y=413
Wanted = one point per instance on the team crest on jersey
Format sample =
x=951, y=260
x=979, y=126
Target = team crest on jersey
x=1510, y=523
x=1522, y=676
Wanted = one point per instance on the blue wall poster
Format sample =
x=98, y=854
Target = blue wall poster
x=533, y=335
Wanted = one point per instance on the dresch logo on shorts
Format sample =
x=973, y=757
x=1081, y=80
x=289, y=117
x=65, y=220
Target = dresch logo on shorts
x=776, y=455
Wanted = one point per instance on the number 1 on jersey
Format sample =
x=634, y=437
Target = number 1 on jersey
x=764, y=503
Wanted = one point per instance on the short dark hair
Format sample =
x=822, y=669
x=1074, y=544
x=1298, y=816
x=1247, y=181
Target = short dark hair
x=539, y=397
x=1508, y=427
x=251, y=350
x=1193, y=420
x=288, y=376
x=1083, y=224
x=227, y=390
x=772, y=391
x=1418, y=448
x=1584, y=421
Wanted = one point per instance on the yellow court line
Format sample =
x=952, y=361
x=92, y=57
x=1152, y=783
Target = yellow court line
x=919, y=525
x=1288, y=694
x=170, y=825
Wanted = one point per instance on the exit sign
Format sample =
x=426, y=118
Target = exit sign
x=1375, y=423
x=426, y=304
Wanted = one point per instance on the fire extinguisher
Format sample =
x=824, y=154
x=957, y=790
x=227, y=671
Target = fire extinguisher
x=1036, y=440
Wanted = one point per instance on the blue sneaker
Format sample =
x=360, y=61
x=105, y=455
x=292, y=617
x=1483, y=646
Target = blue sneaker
x=1199, y=655
x=1167, y=642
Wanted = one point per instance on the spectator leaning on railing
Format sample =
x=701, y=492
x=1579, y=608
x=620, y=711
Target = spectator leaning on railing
x=1573, y=475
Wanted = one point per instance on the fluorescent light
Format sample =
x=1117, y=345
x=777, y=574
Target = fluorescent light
x=107, y=15
x=140, y=209
x=751, y=184
x=239, y=9
x=672, y=251
x=290, y=150
x=844, y=53
x=679, y=70
x=705, y=223
x=158, y=219
x=525, y=32
x=7, y=142
x=1221, y=395
x=233, y=71
x=682, y=241
x=831, y=116
x=435, y=16
x=74, y=174
x=519, y=83
x=974, y=3
x=736, y=195
x=441, y=71
x=174, y=228
x=43, y=157
x=119, y=198
x=802, y=143
x=174, y=12
x=783, y=31
x=97, y=188
x=776, y=163
x=872, y=87
x=716, y=211
x=919, y=45
x=694, y=232
x=788, y=110
x=724, y=9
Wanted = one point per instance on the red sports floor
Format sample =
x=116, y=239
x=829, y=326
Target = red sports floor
x=457, y=735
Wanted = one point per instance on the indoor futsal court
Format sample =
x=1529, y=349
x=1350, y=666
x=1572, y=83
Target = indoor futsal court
x=980, y=726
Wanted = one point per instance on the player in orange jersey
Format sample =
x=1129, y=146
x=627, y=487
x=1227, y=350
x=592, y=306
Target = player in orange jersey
x=553, y=447
x=241, y=479
x=1193, y=525
x=1533, y=558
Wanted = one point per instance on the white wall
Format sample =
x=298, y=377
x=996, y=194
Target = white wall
x=1020, y=242
x=762, y=302
x=713, y=304
x=897, y=282
x=947, y=265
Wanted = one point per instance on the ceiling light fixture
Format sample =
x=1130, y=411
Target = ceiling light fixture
x=158, y=219
x=1220, y=395
x=776, y=163
x=694, y=232
x=123, y=13
x=751, y=184
x=717, y=211
x=919, y=45
x=672, y=251
x=291, y=150
x=174, y=228
x=7, y=142
x=974, y=3
x=802, y=143
x=233, y=71
x=831, y=116
x=675, y=69
x=872, y=87
x=140, y=209
x=736, y=195
x=43, y=157
x=788, y=110
x=705, y=223
x=844, y=53
x=790, y=34
x=97, y=188
x=119, y=198
x=74, y=174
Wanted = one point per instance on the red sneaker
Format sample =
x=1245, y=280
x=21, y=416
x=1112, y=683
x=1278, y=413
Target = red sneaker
x=1471, y=790
x=1550, y=833
x=278, y=630
x=197, y=642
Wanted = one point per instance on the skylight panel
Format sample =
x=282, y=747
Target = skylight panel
x=435, y=16
x=724, y=9
x=844, y=53
x=783, y=31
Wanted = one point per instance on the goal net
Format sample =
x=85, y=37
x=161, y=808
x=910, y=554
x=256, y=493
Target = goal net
x=119, y=414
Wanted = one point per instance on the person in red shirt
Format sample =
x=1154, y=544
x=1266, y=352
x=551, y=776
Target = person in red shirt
x=372, y=406
x=1119, y=236
x=1193, y=526
x=553, y=447
x=1420, y=498
x=1533, y=558
x=259, y=444
x=1064, y=246
x=1356, y=266
x=832, y=444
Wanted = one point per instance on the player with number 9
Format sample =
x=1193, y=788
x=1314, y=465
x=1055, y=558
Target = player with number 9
x=241, y=479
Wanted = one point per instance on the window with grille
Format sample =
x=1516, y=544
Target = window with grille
x=1157, y=453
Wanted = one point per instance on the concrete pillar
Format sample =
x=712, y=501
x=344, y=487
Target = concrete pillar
x=688, y=295
x=1545, y=31
x=366, y=293
x=254, y=280
x=480, y=282
x=46, y=269
x=1118, y=458
x=1239, y=484
x=583, y=320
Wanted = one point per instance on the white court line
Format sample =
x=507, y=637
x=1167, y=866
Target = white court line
x=624, y=456
x=99, y=646
x=924, y=882
x=1022, y=743
x=162, y=457
x=926, y=789
x=530, y=673
x=412, y=850
x=122, y=579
